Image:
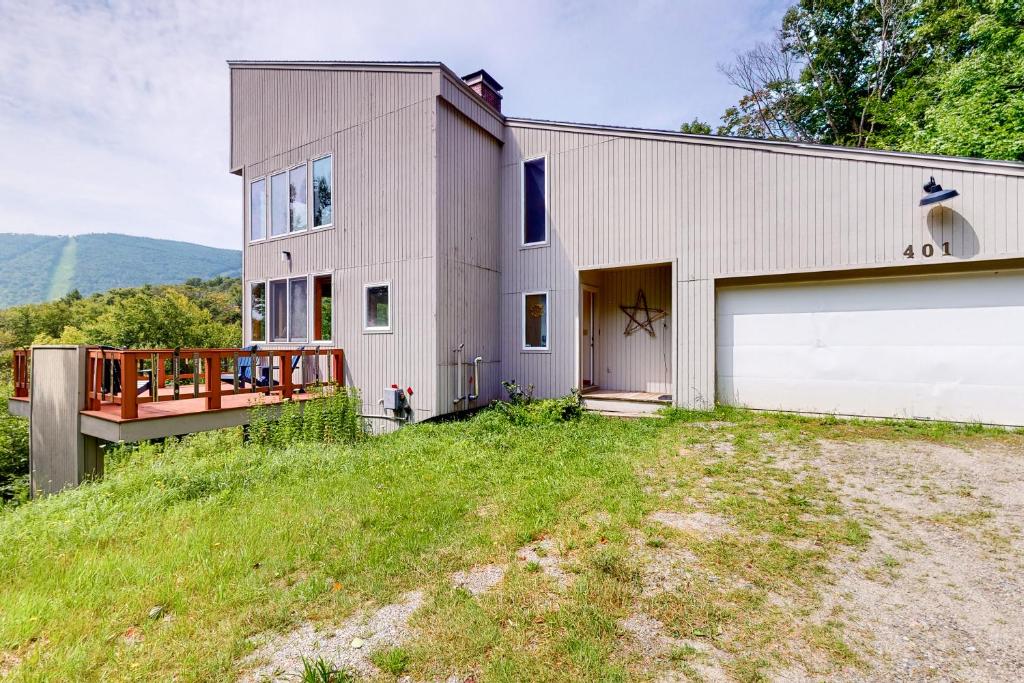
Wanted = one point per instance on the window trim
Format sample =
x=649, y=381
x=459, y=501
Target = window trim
x=266, y=310
x=288, y=310
x=366, y=309
x=270, y=211
x=266, y=214
x=325, y=226
x=309, y=204
x=523, y=244
x=288, y=174
x=310, y=288
x=547, y=327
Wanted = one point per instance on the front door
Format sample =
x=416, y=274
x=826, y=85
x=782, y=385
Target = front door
x=588, y=338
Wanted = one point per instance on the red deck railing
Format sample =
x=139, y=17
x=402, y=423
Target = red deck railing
x=127, y=378
x=21, y=372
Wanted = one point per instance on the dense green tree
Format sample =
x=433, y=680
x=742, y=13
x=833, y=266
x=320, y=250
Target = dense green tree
x=939, y=76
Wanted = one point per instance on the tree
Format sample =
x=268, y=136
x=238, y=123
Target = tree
x=696, y=127
x=772, y=106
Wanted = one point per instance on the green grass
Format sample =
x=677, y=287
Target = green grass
x=235, y=540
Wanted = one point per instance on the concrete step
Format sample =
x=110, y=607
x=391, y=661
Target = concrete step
x=617, y=405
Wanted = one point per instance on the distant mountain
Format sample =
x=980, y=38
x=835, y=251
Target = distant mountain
x=36, y=268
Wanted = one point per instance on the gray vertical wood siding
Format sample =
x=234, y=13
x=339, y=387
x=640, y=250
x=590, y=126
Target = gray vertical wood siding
x=469, y=162
x=720, y=208
x=415, y=175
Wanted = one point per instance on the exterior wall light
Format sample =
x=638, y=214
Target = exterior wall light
x=934, y=194
x=286, y=257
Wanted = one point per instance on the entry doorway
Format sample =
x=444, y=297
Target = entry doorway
x=588, y=337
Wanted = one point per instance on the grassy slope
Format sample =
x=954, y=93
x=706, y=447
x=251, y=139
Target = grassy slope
x=235, y=541
x=34, y=269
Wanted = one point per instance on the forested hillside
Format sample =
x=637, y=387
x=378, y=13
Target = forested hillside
x=43, y=267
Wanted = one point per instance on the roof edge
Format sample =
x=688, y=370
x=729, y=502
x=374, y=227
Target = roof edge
x=1015, y=168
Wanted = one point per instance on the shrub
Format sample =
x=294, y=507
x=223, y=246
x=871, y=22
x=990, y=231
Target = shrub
x=522, y=409
x=329, y=417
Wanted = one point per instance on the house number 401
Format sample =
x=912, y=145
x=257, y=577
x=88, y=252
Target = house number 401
x=927, y=250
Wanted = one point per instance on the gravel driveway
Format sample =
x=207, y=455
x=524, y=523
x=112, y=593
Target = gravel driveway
x=939, y=592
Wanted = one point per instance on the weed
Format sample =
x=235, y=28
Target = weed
x=319, y=670
x=394, y=661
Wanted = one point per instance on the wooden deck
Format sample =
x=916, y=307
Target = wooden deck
x=185, y=405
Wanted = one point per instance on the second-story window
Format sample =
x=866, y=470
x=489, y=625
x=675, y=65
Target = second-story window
x=535, y=207
x=257, y=210
x=322, y=214
x=278, y=204
x=297, y=201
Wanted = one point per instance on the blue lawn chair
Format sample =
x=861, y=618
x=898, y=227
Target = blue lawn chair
x=245, y=374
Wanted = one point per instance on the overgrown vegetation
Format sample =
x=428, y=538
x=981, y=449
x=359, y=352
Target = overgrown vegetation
x=232, y=540
x=926, y=76
x=331, y=418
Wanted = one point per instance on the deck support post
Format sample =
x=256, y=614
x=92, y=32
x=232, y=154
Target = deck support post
x=60, y=456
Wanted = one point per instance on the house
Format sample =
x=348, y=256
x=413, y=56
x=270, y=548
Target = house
x=394, y=210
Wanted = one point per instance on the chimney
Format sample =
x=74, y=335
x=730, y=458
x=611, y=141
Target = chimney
x=485, y=86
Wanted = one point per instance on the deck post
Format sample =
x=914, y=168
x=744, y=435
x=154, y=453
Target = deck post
x=60, y=456
x=286, y=374
x=338, y=361
x=213, y=381
x=129, y=386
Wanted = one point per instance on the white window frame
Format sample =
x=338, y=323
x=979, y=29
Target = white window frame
x=311, y=301
x=309, y=212
x=270, y=208
x=312, y=161
x=366, y=309
x=523, y=244
x=266, y=214
x=266, y=310
x=522, y=322
x=288, y=310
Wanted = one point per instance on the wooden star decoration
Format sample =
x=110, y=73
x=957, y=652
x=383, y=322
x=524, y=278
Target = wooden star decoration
x=642, y=316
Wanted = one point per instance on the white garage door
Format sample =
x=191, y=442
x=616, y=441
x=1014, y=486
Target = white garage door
x=947, y=347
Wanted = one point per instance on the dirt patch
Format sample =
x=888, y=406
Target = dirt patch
x=543, y=556
x=479, y=580
x=348, y=647
x=700, y=523
x=648, y=639
x=938, y=594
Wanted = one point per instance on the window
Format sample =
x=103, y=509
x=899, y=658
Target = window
x=535, y=211
x=322, y=311
x=288, y=310
x=535, y=321
x=278, y=204
x=322, y=193
x=257, y=311
x=378, y=307
x=297, y=200
x=257, y=210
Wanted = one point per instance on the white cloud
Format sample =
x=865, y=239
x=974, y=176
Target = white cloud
x=114, y=115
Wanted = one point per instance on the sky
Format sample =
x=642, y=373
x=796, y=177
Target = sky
x=114, y=115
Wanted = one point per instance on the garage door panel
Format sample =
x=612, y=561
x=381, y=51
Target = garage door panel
x=903, y=326
x=960, y=403
x=986, y=365
x=944, y=347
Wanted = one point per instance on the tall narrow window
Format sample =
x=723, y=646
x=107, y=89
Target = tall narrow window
x=535, y=210
x=378, y=307
x=279, y=311
x=297, y=309
x=257, y=311
x=535, y=321
x=257, y=210
x=322, y=310
x=279, y=204
x=297, y=201
x=322, y=193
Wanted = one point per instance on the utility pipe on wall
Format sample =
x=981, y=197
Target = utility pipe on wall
x=458, y=363
x=476, y=378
